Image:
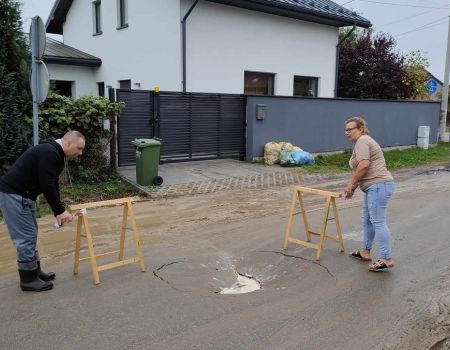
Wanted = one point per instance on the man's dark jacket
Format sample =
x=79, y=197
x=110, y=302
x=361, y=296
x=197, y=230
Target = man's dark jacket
x=37, y=171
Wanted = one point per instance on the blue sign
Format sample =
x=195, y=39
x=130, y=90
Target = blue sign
x=431, y=86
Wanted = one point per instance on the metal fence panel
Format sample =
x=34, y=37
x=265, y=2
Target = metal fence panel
x=201, y=126
x=135, y=121
x=192, y=126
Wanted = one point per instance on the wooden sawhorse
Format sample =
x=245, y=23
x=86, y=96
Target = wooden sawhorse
x=330, y=202
x=83, y=225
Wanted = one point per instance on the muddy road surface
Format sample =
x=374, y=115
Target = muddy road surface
x=217, y=277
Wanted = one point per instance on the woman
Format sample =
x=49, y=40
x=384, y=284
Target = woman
x=370, y=173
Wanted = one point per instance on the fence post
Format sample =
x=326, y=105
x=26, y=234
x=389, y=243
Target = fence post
x=113, y=142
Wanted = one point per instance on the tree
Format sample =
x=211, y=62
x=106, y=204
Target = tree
x=416, y=76
x=370, y=68
x=15, y=95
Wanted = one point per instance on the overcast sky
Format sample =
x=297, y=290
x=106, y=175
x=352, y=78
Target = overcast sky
x=415, y=24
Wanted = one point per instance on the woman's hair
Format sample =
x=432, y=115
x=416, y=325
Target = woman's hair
x=361, y=124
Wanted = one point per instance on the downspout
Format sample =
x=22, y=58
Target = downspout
x=336, y=76
x=183, y=38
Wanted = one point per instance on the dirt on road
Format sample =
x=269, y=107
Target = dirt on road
x=426, y=325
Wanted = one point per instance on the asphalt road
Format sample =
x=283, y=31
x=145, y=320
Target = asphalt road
x=333, y=304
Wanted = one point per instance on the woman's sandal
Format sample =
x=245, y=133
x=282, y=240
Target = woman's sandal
x=357, y=255
x=379, y=266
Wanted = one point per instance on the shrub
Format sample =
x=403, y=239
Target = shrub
x=58, y=114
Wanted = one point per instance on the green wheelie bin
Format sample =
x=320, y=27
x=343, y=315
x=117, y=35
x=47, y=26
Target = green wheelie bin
x=147, y=161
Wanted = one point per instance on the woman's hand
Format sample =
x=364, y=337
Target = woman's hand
x=349, y=190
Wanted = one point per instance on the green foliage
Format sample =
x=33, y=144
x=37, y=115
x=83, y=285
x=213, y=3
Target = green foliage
x=111, y=188
x=58, y=114
x=416, y=75
x=15, y=95
x=54, y=116
x=371, y=67
x=395, y=159
x=417, y=156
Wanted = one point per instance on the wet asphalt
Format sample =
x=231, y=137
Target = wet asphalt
x=302, y=304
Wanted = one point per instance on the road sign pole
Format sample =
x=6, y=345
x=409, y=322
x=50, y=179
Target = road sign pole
x=39, y=74
x=35, y=79
x=444, y=101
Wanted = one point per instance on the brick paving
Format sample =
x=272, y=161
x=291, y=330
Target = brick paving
x=264, y=180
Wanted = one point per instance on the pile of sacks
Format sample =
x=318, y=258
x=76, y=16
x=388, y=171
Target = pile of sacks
x=286, y=154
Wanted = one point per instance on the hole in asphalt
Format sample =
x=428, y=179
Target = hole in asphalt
x=244, y=284
x=232, y=275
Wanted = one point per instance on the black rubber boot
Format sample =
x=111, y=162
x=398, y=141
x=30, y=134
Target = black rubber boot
x=45, y=276
x=29, y=280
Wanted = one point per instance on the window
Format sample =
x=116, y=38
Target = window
x=258, y=83
x=101, y=89
x=97, y=17
x=125, y=84
x=122, y=14
x=305, y=86
x=62, y=87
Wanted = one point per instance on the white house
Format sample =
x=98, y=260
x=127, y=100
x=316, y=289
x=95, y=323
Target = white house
x=272, y=47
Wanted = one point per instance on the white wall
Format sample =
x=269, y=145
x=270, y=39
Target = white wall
x=147, y=52
x=222, y=42
x=82, y=76
x=225, y=41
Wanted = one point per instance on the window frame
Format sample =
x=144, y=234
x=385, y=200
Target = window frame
x=304, y=77
x=270, y=87
x=63, y=87
x=97, y=17
x=101, y=88
x=122, y=14
x=126, y=82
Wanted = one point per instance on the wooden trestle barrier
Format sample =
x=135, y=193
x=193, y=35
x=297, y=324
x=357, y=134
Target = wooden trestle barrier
x=83, y=225
x=330, y=202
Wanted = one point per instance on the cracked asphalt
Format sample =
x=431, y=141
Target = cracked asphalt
x=194, y=246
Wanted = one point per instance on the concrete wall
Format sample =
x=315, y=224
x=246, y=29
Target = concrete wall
x=317, y=124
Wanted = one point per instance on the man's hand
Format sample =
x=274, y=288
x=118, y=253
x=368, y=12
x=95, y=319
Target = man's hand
x=63, y=218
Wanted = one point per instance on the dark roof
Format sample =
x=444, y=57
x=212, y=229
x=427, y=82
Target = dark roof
x=57, y=52
x=318, y=11
x=58, y=16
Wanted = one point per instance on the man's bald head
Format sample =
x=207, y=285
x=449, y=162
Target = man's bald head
x=73, y=143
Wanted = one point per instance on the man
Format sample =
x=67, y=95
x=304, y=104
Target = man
x=36, y=171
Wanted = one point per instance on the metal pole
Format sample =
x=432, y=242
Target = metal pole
x=444, y=100
x=35, y=79
x=183, y=38
x=338, y=46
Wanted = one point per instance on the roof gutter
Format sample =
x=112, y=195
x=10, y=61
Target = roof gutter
x=70, y=61
x=183, y=38
x=336, y=75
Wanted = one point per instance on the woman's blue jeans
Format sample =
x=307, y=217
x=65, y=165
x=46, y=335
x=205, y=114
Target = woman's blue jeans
x=376, y=199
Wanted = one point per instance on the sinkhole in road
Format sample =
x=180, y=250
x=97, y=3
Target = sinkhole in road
x=244, y=284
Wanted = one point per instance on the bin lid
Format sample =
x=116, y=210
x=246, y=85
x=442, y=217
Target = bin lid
x=142, y=143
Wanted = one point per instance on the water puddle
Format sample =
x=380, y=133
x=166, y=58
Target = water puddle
x=244, y=284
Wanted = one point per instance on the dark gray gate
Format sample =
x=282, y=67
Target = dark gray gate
x=136, y=121
x=193, y=126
